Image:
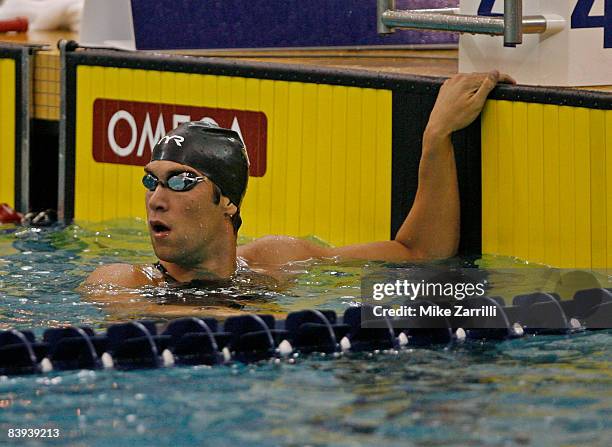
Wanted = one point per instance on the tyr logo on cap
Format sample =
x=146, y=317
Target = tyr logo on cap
x=177, y=139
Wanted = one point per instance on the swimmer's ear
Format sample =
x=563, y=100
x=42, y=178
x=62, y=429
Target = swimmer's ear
x=229, y=208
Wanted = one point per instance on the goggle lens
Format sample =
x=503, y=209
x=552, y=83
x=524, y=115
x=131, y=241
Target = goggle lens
x=182, y=182
x=150, y=182
x=179, y=182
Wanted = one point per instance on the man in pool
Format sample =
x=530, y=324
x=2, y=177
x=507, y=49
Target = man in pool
x=197, y=178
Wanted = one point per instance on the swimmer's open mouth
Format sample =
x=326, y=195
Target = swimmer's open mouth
x=159, y=227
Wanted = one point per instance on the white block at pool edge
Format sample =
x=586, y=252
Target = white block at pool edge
x=578, y=55
x=107, y=23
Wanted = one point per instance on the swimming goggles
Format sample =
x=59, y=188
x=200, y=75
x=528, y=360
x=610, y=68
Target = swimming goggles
x=178, y=182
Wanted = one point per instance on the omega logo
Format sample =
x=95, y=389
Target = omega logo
x=125, y=132
x=147, y=135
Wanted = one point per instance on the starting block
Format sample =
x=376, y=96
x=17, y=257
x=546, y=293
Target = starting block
x=576, y=49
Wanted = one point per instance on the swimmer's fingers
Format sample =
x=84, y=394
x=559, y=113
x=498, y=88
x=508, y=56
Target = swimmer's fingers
x=506, y=79
x=489, y=82
x=461, y=99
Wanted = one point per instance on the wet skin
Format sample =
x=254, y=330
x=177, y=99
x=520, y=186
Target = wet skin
x=187, y=229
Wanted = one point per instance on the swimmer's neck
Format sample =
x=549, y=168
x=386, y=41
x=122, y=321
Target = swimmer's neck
x=221, y=266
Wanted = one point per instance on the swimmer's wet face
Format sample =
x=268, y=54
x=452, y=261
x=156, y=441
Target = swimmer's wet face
x=218, y=154
x=182, y=224
x=193, y=221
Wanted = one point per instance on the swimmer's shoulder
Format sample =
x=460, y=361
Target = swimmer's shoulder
x=124, y=275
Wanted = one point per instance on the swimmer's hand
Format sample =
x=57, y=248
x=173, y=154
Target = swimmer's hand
x=461, y=99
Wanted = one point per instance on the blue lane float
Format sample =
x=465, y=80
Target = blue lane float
x=251, y=338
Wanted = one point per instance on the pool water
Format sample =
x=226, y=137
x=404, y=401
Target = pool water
x=544, y=390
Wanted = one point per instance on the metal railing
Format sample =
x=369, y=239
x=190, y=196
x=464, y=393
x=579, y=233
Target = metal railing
x=512, y=25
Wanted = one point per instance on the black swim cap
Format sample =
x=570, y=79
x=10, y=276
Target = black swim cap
x=217, y=153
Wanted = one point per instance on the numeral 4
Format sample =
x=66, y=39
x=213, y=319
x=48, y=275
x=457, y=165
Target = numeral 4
x=582, y=19
x=486, y=9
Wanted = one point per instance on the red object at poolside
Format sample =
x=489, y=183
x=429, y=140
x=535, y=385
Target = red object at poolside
x=18, y=24
x=8, y=214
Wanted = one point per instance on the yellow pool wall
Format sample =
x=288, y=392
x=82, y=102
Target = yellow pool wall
x=547, y=184
x=328, y=152
x=7, y=130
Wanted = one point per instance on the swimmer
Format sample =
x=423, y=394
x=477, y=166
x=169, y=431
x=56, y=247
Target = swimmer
x=198, y=175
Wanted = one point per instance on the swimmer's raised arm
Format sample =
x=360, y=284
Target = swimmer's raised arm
x=431, y=229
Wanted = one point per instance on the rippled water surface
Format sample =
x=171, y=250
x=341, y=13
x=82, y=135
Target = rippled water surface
x=536, y=391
